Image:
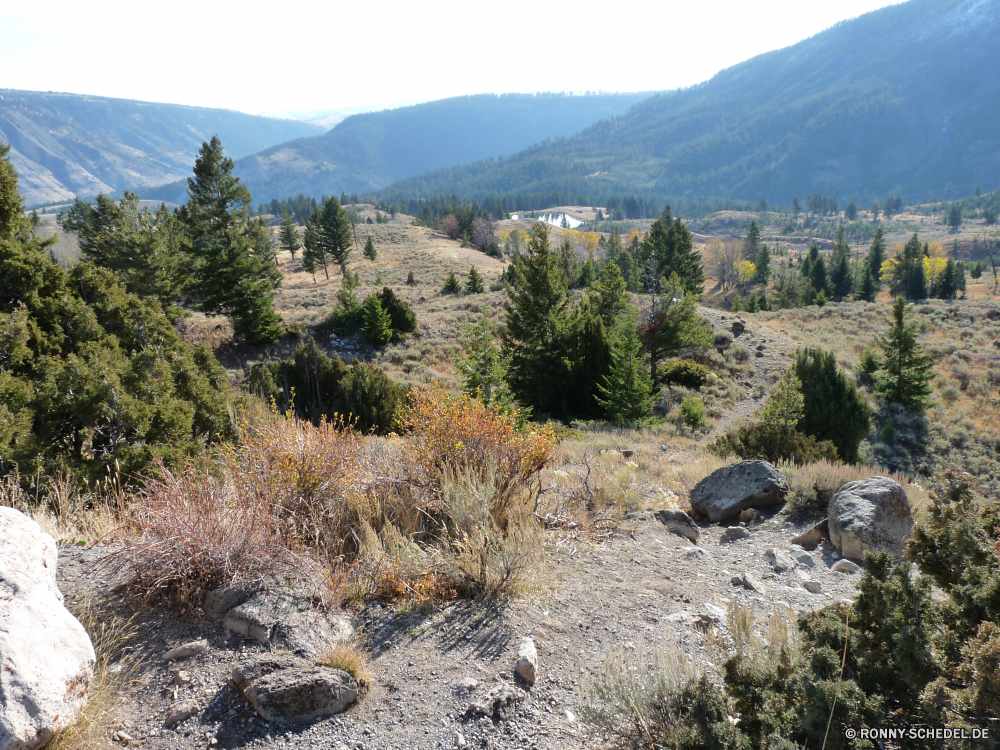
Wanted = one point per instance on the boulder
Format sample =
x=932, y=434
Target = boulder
x=284, y=688
x=680, y=523
x=846, y=566
x=287, y=622
x=732, y=489
x=46, y=657
x=870, y=515
x=733, y=533
x=779, y=561
x=527, y=661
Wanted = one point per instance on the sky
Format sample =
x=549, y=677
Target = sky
x=312, y=56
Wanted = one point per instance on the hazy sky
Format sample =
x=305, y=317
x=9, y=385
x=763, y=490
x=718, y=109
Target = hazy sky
x=285, y=55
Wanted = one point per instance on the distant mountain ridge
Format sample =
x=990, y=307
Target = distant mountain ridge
x=368, y=151
x=905, y=98
x=69, y=144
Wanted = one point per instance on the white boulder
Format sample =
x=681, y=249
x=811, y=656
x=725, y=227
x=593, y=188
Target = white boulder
x=46, y=657
x=870, y=515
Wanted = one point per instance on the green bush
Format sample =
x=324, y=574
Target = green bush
x=683, y=372
x=833, y=409
x=693, y=412
x=377, y=325
x=401, y=315
x=320, y=387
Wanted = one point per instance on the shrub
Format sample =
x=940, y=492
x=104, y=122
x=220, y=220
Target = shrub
x=833, y=409
x=350, y=659
x=377, y=324
x=402, y=319
x=683, y=372
x=693, y=412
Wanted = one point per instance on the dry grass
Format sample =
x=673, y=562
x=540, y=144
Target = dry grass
x=812, y=485
x=64, y=512
x=114, y=669
x=350, y=659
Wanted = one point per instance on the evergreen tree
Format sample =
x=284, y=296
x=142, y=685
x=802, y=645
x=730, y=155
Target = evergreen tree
x=918, y=282
x=483, y=366
x=609, y=295
x=876, y=255
x=833, y=409
x=751, y=243
x=234, y=274
x=737, y=304
x=587, y=274
x=451, y=284
x=401, y=315
x=625, y=393
x=819, y=279
x=335, y=233
x=474, y=284
x=670, y=247
x=763, y=265
x=347, y=294
x=313, y=250
x=876, y=209
x=370, y=252
x=536, y=318
x=867, y=291
x=288, y=234
x=905, y=373
x=954, y=218
x=674, y=326
x=10, y=196
x=410, y=281
x=753, y=305
x=843, y=279
x=569, y=262
x=585, y=346
x=377, y=324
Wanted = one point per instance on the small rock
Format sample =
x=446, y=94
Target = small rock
x=680, y=523
x=186, y=650
x=570, y=716
x=500, y=703
x=465, y=685
x=181, y=677
x=803, y=558
x=736, y=580
x=747, y=581
x=122, y=737
x=779, y=561
x=282, y=687
x=808, y=583
x=181, y=712
x=459, y=739
x=712, y=613
x=733, y=533
x=527, y=661
x=697, y=553
x=846, y=566
x=810, y=538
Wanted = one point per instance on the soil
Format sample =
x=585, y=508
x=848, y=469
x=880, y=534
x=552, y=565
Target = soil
x=635, y=593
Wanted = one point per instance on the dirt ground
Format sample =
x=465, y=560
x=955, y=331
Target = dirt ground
x=634, y=594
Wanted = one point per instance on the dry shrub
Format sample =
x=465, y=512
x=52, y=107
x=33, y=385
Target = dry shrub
x=812, y=485
x=350, y=659
x=64, y=511
x=113, y=671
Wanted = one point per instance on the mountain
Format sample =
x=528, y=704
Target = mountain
x=68, y=144
x=368, y=151
x=906, y=98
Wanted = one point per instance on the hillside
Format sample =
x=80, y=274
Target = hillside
x=66, y=144
x=904, y=98
x=368, y=151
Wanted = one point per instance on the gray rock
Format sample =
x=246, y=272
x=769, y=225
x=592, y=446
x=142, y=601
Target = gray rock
x=779, y=561
x=287, y=622
x=223, y=599
x=733, y=533
x=810, y=585
x=527, y=661
x=180, y=712
x=846, y=566
x=46, y=657
x=186, y=650
x=465, y=685
x=870, y=515
x=680, y=523
x=748, y=581
x=810, y=538
x=284, y=688
x=803, y=558
x=711, y=613
x=500, y=703
x=732, y=489
x=697, y=553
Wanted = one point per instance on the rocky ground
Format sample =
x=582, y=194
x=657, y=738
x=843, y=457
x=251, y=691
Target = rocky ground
x=641, y=590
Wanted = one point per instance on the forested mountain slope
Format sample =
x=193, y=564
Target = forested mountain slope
x=905, y=98
x=369, y=151
x=69, y=144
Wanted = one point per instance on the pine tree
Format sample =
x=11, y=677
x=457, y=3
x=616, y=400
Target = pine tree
x=288, y=234
x=674, y=325
x=410, y=281
x=737, y=304
x=536, y=319
x=670, y=246
x=947, y=286
x=314, y=254
x=335, y=233
x=876, y=255
x=235, y=274
x=867, y=291
x=905, y=374
x=819, y=279
x=917, y=288
x=832, y=409
x=753, y=305
x=751, y=243
x=763, y=265
x=587, y=274
x=377, y=324
x=474, y=284
x=625, y=393
x=609, y=295
x=451, y=284
x=370, y=252
x=569, y=262
x=843, y=279
x=483, y=366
